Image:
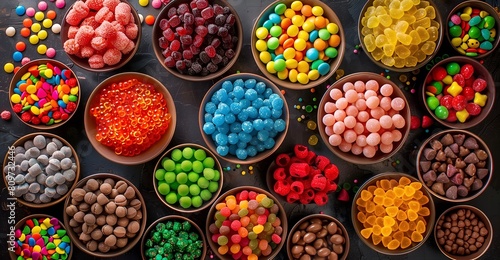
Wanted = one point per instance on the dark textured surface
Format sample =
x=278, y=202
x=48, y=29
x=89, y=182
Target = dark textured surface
x=188, y=95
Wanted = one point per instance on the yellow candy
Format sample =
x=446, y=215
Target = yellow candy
x=303, y=67
x=480, y=99
x=31, y=89
x=8, y=67
x=16, y=98
x=289, y=53
x=257, y=229
x=317, y=10
x=296, y=5
x=298, y=20
x=37, y=249
x=34, y=39
x=261, y=45
x=47, y=23
x=35, y=98
x=60, y=251
x=265, y=57
x=49, y=73
x=289, y=13
x=404, y=38
x=332, y=28
x=313, y=74
x=308, y=26
x=36, y=111
x=47, y=223
x=292, y=30
x=41, y=49
x=36, y=27
x=372, y=22
x=143, y=2
x=448, y=80
x=65, y=99
x=261, y=32
x=299, y=44
x=22, y=237
x=283, y=74
x=415, y=38
x=270, y=67
x=42, y=35
x=302, y=78
x=292, y=75
x=385, y=20
x=303, y=35
x=74, y=90
x=39, y=16
x=369, y=42
x=36, y=229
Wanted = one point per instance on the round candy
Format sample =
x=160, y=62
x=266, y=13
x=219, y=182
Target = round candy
x=143, y=3
x=41, y=49
x=20, y=10
x=47, y=23
x=42, y=35
x=156, y=4
x=17, y=56
x=8, y=67
x=60, y=4
x=150, y=20
x=39, y=16
x=10, y=31
x=56, y=28
x=25, y=60
x=42, y=5
x=34, y=39
x=30, y=11
x=441, y=112
x=20, y=46
x=51, y=52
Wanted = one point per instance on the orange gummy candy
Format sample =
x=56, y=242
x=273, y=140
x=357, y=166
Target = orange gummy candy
x=389, y=221
x=379, y=211
x=379, y=200
x=415, y=206
x=394, y=183
x=366, y=195
x=386, y=240
x=420, y=227
x=361, y=217
x=361, y=202
x=376, y=239
x=398, y=235
x=416, y=237
x=416, y=185
x=405, y=242
x=393, y=245
x=398, y=191
x=424, y=211
x=379, y=192
x=412, y=215
x=371, y=220
x=404, y=226
x=377, y=230
x=366, y=233
x=386, y=231
x=392, y=211
x=385, y=184
x=401, y=215
x=391, y=194
x=404, y=181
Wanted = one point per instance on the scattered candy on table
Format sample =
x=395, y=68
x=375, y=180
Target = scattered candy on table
x=304, y=177
x=394, y=212
x=240, y=220
x=400, y=34
x=10, y=31
x=243, y=118
x=188, y=177
x=455, y=92
x=472, y=31
x=297, y=42
x=42, y=238
x=364, y=118
x=6, y=115
x=174, y=239
x=200, y=43
x=102, y=38
x=121, y=115
x=46, y=94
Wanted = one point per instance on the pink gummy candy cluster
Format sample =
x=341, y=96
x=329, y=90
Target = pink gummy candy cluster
x=100, y=30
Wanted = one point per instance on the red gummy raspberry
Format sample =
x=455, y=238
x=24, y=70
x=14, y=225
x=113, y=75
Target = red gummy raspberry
x=299, y=169
x=439, y=73
x=331, y=186
x=307, y=196
x=473, y=109
x=467, y=71
x=281, y=188
x=282, y=160
x=321, y=162
x=318, y=182
x=468, y=93
x=331, y=172
x=279, y=174
x=452, y=116
x=459, y=102
x=469, y=81
x=414, y=122
x=313, y=171
x=297, y=186
x=292, y=197
x=71, y=106
x=459, y=78
x=446, y=101
x=307, y=183
x=310, y=157
x=479, y=85
x=320, y=198
x=300, y=151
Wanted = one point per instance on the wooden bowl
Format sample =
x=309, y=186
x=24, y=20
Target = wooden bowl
x=177, y=218
x=439, y=40
x=322, y=217
x=19, y=225
x=334, y=63
x=157, y=33
x=205, y=204
x=232, y=192
x=278, y=138
x=155, y=149
x=487, y=242
x=479, y=72
x=8, y=162
x=482, y=145
x=483, y=6
x=358, y=226
x=131, y=243
x=17, y=78
x=83, y=62
x=379, y=156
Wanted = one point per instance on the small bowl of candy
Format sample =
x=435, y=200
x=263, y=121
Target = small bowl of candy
x=472, y=29
x=400, y=36
x=193, y=245
x=42, y=168
x=302, y=177
x=197, y=40
x=37, y=96
x=318, y=235
x=243, y=118
x=463, y=232
x=364, y=118
x=101, y=35
x=188, y=178
x=392, y=214
x=232, y=233
x=459, y=92
x=130, y=118
x=47, y=233
x=298, y=44
x=105, y=215
x=455, y=165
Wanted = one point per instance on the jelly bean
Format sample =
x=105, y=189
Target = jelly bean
x=441, y=112
x=432, y=102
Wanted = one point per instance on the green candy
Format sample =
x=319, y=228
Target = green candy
x=279, y=65
x=331, y=52
x=455, y=31
x=273, y=43
x=222, y=240
x=193, y=177
x=216, y=175
x=73, y=98
x=181, y=178
x=183, y=190
x=178, y=168
x=474, y=32
x=280, y=9
x=200, y=154
x=275, y=31
x=164, y=189
x=174, y=185
x=213, y=186
x=197, y=166
x=169, y=177
x=26, y=230
x=452, y=68
x=203, y=183
x=185, y=202
x=324, y=34
x=168, y=164
x=160, y=174
x=176, y=155
x=432, y=102
x=50, y=245
x=489, y=22
x=441, y=112
x=208, y=173
x=66, y=239
x=55, y=256
x=197, y=201
x=186, y=166
x=171, y=198
x=205, y=195
x=194, y=190
x=187, y=153
x=209, y=162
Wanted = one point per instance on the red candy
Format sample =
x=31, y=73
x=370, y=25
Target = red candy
x=282, y=160
x=414, y=122
x=307, y=197
x=297, y=187
x=446, y=101
x=439, y=73
x=479, y=85
x=331, y=172
x=279, y=174
x=320, y=198
x=468, y=93
x=467, y=71
x=426, y=121
x=318, y=182
x=300, y=151
x=473, y=109
x=459, y=102
x=299, y=169
x=292, y=197
x=452, y=116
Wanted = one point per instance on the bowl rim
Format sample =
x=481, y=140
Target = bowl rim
x=334, y=64
x=348, y=156
x=419, y=65
x=132, y=242
x=430, y=222
x=24, y=69
x=37, y=216
x=206, y=203
x=20, y=141
x=482, y=144
x=261, y=155
x=233, y=191
x=324, y=217
x=130, y=160
x=156, y=32
x=490, y=89
x=81, y=61
x=482, y=6
x=482, y=216
x=174, y=217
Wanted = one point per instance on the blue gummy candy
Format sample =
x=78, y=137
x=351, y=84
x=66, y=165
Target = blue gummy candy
x=258, y=124
x=223, y=129
x=276, y=113
x=279, y=125
x=269, y=143
x=227, y=85
x=235, y=127
x=230, y=118
x=263, y=135
x=218, y=119
x=222, y=150
x=235, y=108
x=208, y=117
x=223, y=108
x=232, y=138
x=252, y=112
x=238, y=92
x=221, y=139
x=239, y=83
x=265, y=112
x=250, y=83
x=260, y=87
x=251, y=151
x=241, y=154
x=258, y=103
x=210, y=107
x=208, y=128
x=247, y=127
x=251, y=94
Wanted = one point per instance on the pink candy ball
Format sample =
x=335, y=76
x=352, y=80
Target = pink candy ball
x=25, y=60
x=335, y=93
x=377, y=112
x=350, y=136
x=329, y=130
x=339, y=127
x=372, y=102
x=30, y=11
x=385, y=122
x=350, y=121
x=369, y=151
x=351, y=96
x=396, y=135
x=356, y=149
x=51, y=53
x=370, y=93
x=361, y=104
x=373, y=139
x=156, y=4
x=335, y=140
x=361, y=140
x=359, y=86
x=363, y=116
x=359, y=128
x=372, y=85
x=330, y=107
x=347, y=86
x=385, y=103
x=60, y=4
x=351, y=111
x=328, y=120
x=372, y=125
x=345, y=146
x=386, y=148
x=341, y=103
x=386, y=138
x=398, y=121
x=42, y=5
x=339, y=115
x=386, y=90
x=398, y=104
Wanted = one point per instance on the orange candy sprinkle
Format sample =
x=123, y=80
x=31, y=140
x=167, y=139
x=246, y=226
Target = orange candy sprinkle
x=149, y=20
